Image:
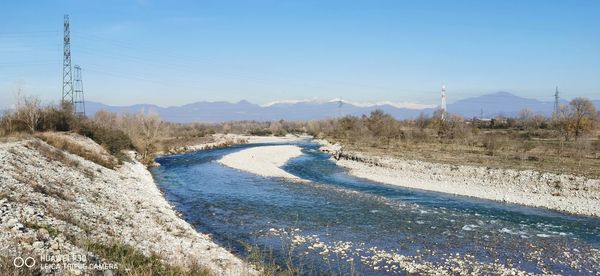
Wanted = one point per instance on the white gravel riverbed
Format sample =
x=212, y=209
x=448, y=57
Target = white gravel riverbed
x=264, y=160
x=562, y=192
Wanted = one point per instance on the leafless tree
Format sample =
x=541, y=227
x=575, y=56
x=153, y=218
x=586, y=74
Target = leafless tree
x=561, y=121
x=525, y=117
x=106, y=119
x=28, y=111
x=151, y=125
x=7, y=122
x=538, y=120
x=421, y=122
x=276, y=128
x=583, y=115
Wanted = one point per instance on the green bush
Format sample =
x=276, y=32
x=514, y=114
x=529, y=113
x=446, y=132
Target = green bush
x=113, y=140
x=57, y=119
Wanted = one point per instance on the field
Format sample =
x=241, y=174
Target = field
x=504, y=150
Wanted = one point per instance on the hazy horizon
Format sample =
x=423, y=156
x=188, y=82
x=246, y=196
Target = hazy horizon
x=169, y=54
x=401, y=105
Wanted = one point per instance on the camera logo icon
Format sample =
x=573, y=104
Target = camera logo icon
x=19, y=262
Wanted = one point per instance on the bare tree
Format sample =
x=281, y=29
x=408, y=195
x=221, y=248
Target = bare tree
x=561, y=121
x=7, y=122
x=525, y=117
x=151, y=125
x=106, y=119
x=583, y=114
x=538, y=120
x=276, y=128
x=28, y=111
x=422, y=121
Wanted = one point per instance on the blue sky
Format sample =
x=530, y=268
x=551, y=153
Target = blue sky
x=177, y=52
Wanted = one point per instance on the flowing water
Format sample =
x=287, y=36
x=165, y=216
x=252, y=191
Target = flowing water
x=341, y=224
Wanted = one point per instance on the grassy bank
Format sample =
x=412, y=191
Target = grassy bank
x=493, y=148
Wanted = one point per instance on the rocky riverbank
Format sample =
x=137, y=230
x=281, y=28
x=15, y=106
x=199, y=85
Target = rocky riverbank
x=71, y=215
x=562, y=192
x=220, y=140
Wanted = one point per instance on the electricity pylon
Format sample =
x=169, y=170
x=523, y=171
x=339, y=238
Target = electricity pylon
x=78, y=99
x=67, y=87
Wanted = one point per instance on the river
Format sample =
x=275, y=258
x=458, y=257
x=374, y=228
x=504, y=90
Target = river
x=340, y=224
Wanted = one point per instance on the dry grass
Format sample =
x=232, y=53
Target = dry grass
x=502, y=151
x=64, y=215
x=128, y=261
x=508, y=143
x=8, y=269
x=132, y=262
x=52, y=154
x=52, y=191
x=15, y=137
x=64, y=144
x=48, y=188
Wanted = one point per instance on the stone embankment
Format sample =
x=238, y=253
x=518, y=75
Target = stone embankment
x=65, y=212
x=562, y=192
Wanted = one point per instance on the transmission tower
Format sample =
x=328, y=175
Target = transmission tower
x=78, y=99
x=556, y=107
x=67, y=88
x=443, y=106
x=340, y=104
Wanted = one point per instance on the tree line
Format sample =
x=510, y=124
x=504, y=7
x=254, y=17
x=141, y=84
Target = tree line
x=148, y=133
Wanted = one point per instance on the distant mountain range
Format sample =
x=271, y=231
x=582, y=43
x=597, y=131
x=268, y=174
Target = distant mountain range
x=490, y=105
x=224, y=111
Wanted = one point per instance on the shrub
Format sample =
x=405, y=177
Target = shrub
x=113, y=140
x=596, y=145
x=58, y=119
x=52, y=154
x=76, y=149
x=261, y=132
x=491, y=143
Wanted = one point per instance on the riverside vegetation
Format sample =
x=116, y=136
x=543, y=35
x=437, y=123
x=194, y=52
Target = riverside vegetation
x=53, y=161
x=569, y=142
x=566, y=143
x=76, y=199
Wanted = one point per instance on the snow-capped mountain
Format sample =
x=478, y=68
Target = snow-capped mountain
x=489, y=105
